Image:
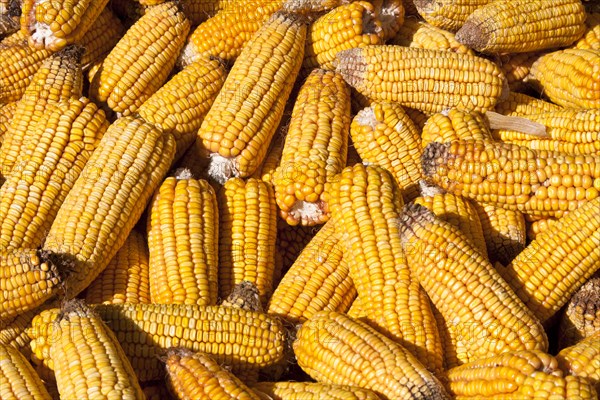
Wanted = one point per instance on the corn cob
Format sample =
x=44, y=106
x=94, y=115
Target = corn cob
x=356, y=310
x=448, y=14
x=365, y=203
x=40, y=335
x=383, y=134
x=63, y=140
x=519, y=104
x=581, y=317
x=455, y=125
x=452, y=343
x=582, y=359
x=516, y=67
x=315, y=148
x=540, y=183
x=310, y=8
x=19, y=380
x=538, y=144
x=196, y=376
x=126, y=277
x=241, y=123
x=244, y=295
x=10, y=11
x=519, y=375
x=183, y=240
x=318, y=280
x=266, y=171
x=334, y=348
x=247, y=234
x=14, y=331
x=534, y=228
x=6, y=113
x=291, y=241
x=569, y=78
x=107, y=199
x=591, y=37
x=102, y=36
x=312, y=391
x=198, y=11
x=141, y=61
x=427, y=80
x=421, y=35
x=466, y=289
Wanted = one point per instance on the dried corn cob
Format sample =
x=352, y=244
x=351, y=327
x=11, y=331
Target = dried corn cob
x=519, y=104
x=540, y=183
x=312, y=391
x=448, y=14
x=6, y=114
x=13, y=331
x=315, y=148
x=455, y=124
x=40, y=333
x=391, y=15
x=365, y=203
x=19, y=380
x=466, y=289
x=141, y=61
x=452, y=343
x=516, y=67
x=126, y=277
x=427, y=80
x=310, y=7
x=183, y=240
x=333, y=348
x=582, y=359
x=534, y=228
x=102, y=36
x=383, y=134
x=591, y=37
x=10, y=11
x=581, y=317
x=291, y=240
x=421, y=35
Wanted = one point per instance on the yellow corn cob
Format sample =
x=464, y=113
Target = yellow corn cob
x=312, y=391
x=14, y=331
x=183, y=240
x=198, y=11
x=519, y=104
x=241, y=123
x=6, y=114
x=455, y=125
x=582, y=359
x=519, y=375
x=570, y=78
x=540, y=183
x=356, y=310
x=581, y=317
x=59, y=147
x=180, y=105
x=266, y=171
x=505, y=26
x=19, y=380
x=318, y=280
x=466, y=289
x=196, y=376
x=561, y=146
x=126, y=277
x=40, y=335
x=291, y=241
x=365, y=203
x=516, y=67
x=315, y=148
x=421, y=35
x=141, y=61
x=10, y=11
x=383, y=134
x=534, y=228
x=448, y=14
x=452, y=344
x=591, y=37
x=427, y=80
x=333, y=348
x=102, y=36
x=247, y=234
x=107, y=199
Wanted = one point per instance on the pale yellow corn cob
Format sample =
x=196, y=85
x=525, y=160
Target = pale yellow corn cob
x=516, y=67
x=582, y=359
x=19, y=380
x=581, y=317
x=591, y=37
x=10, y=11
x=519, y=104
x=421, y=35
x=312, y=391
x=448, y=14
x=455, y=125
x=534, y=228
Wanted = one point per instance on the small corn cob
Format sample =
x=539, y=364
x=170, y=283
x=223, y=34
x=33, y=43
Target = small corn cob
x=291, y=241
x=421, y=35
x=196, y=376
x=448, y=14
x=427, y=80
x=552, y=267
x=519, y=104
x=540, y=183
x=6, y=114
x=384, y=134
x=453, y=125
x=333, y=348
x=506, y=26
x=466, y=289
x=591, y=37
x=102, y=36
x=582, y=359
x=183, y=236
x=312, y=391
x=247, y=234
x=534, y=228
x=365, y=203
x=19, y=379
x=519, y=375
x=315, y=148
x=107, y=199
x=570, y=78
x=516, y=67
x=10, y=11
x=181, y=104
x=126, y=277
x=40, y=335
x=581, y=317
x=318, y=280
x=141, y=61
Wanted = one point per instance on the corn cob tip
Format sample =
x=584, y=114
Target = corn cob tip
x=367, y=117
x=308, y=213
x=413, y=213
x=432, y=154
x=183, y=173
x=515, y=123
x=352, y=65
x=74, y=307
x=63, y=263
x=14, y=8
x=71, y=53
x=472, y=36
x=428, y=189
x=244, y=295
x=222, y=168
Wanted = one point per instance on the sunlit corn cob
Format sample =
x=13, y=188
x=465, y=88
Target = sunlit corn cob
x=102, y=36
x=58, y=148
x=183, y=233
x=333, y=348
x=520, y=375
x=10, y=11
x=455, y=125
x=318, y=280
x=266, y=171
x=582, y=359
x=519, y=104
x=180, y=105
x=6, y=114
x=570, y=77
x=107, y=199
x=561, y=146
x=581, y=317
x=466, y=289
x=237, y=130
x=247, y=234
x=291, y=240
x=19, y=379
x=591, y=37
x=141, y=61
x=452, y=343
x=427, y=80
x=534, y=228
x=516, y=67
x=552, y=267
x=541, y=183
x=365, y=204
x=196, y=376
x=126, y=277
x=421, y=35
x=14, y=331
x=447, y=14
x=383, y=134
x=312, y=391
x=315, y=148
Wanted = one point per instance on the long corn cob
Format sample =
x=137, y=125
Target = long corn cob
x=183, y=235
x=126, y=277
x=448, y=14
x=427, y=80
x=312, y=391
x=466, y=289
x=582, y=359
x=455, y=125
x=591, y=37
x=19, y=379
x=102, y=36
x=581, y=317
x=10, y=11
x=421, y=35
x=315, y=148
x=6, y=114
x=516, y=67
x=519, y=104
x=333, y=348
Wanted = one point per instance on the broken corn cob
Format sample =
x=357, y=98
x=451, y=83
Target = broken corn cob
x=421, y=35
x=516, y=67
x=19, y=379
x=581, y=318
x=591, y=37
x=455, y=124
